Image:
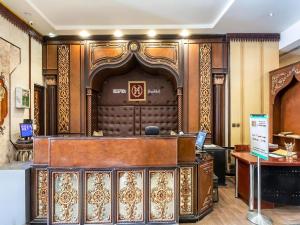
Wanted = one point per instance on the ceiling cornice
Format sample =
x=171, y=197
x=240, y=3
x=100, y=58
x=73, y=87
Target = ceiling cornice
x=253, y=36
x=19, y=23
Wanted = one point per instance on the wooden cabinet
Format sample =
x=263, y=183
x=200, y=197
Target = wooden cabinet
x=205, y=187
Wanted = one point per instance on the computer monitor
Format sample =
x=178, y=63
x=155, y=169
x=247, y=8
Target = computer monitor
x=200, y=140
x=26, y=130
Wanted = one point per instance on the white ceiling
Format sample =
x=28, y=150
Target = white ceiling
x=64, y=17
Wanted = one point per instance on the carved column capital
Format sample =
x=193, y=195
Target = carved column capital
x=219, y=79
x=50, y=80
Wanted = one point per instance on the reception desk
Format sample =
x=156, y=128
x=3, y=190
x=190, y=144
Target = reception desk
x=280, y=180
x=119, y=180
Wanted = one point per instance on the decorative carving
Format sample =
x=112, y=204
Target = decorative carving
x=107, y=53
x=37, y=112
x=50, y=80
x=165, y=53
x=205, y=88
x=89, y=110
x=98, y=197
x=219, y=79
x=134, y=46
x=186, y=190
x=162, y=196
x=279, y=80
x=63, y=79
x=180, y=107
x=65, y=199
x=42, y=193
x=130, y=196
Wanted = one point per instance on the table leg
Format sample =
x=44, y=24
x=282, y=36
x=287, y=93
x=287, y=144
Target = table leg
x=236, y=177
x=251, y=194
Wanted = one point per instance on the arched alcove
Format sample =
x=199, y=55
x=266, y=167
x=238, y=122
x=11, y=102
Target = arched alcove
x=116, y=114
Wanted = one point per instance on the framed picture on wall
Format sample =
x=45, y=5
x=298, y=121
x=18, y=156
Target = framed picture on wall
x=136, y=90
x=22, y=98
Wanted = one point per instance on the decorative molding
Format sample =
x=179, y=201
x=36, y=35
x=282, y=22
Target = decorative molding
x=162, y=196
x=186, y=191
x=50, y=80
x=98, y=208
x=65, y=206
x=107, y=53
x=37, y=113
x=130, y=196
x=180, y=108
x=63, y=92
x=42, y=193
x=19, y=23
x=253, y=37
x=165, y=53
x=219, y=79
x=205, y=88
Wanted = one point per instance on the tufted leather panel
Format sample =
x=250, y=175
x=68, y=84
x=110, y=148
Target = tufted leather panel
x=132, y=120
x=116, y=120
x=165, y=117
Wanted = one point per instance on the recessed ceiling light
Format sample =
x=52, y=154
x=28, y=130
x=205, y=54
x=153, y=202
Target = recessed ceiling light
x=51, y=35
x=118, y=33
x=151, y=33
x=271, y=14
x=184, y=33
x=84, y=33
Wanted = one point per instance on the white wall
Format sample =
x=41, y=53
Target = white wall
x=19, y=78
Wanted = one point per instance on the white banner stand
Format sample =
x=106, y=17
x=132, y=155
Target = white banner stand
x=259, y=130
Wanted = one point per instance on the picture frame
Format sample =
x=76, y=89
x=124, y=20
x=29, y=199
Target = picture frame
x=22, y=98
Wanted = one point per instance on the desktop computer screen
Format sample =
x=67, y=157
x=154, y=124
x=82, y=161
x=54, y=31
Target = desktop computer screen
x=200, y=139
x=26, y=130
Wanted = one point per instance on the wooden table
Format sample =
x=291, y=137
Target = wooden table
x=245, y=162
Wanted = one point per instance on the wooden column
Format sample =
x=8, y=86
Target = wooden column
x=180, y=107
x=89, y=94
x=51, y=105
x=219, y=106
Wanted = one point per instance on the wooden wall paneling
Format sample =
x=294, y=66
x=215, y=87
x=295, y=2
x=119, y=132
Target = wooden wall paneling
x=219, y=59
x=51, y=109
x=75, y=85
x=185, y=86
x=193, y=88
x=44, y=56
x=51, y=57
x=83, y=87
x=219, y=109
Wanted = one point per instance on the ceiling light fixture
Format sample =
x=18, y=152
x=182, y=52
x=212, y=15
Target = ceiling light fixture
x=184, y=33
x=51, y=35
x=118, y=33
x=151, y=33
x=84, y=34
x=270, y=14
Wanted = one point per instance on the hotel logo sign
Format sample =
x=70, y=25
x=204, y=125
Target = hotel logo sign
x=137, y=90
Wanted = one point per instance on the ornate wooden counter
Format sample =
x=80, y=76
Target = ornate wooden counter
x=137, y=180
x=280, y=180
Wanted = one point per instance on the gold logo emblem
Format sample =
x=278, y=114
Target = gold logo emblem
x=137, y=90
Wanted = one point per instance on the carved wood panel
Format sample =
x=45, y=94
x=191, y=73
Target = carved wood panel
x=186, y=190
x=107, y=53
x=42, y=193
x=205, y=88
x=130, y=195
x=162, y=195
x=63, y=91
x=98, y=197
x=65, y=198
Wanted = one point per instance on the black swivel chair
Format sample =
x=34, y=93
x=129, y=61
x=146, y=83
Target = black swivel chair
x=151, y=130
